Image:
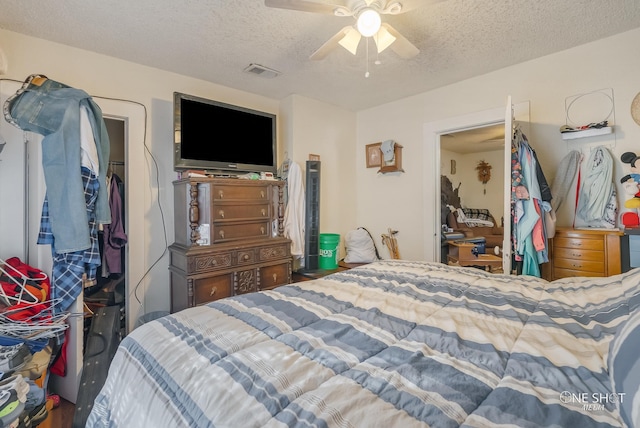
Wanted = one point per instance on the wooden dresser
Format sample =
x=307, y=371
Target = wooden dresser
x=228, y=239
x=583, y=252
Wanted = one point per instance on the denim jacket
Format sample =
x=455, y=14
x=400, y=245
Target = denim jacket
x=52, y=109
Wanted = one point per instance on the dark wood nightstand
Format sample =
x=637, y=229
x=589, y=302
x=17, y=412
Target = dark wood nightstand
x=302, y=275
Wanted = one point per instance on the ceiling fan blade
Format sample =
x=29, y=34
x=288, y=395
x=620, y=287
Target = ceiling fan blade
x=383, y=39
x=304, y=6
x=407, y=5
x=403, y=47
x=330, y=44
x=351, y=40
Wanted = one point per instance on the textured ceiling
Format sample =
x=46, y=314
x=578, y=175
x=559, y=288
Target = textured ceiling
x=215, y=40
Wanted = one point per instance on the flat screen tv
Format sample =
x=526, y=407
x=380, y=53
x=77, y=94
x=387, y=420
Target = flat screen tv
x=222, y=138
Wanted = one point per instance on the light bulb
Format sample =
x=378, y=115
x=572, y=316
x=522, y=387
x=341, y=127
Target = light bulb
x=368, y=22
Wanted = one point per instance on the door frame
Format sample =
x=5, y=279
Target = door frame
x=431, y=176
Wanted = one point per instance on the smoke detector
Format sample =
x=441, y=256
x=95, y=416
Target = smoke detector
x=262, y=71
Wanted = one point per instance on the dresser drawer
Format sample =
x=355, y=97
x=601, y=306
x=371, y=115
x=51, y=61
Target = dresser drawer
x=274, y=252
x=240, y=212
x=227, y=232
x=209, y=262
x=246, y=256
x=590, y=266
x=568, y=273
x=587, y=244
x=579, y=254
x=223, y=192
x=274, y=276
x=212, y=288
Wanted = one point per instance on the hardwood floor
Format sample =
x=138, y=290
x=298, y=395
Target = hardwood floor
x=61, y=416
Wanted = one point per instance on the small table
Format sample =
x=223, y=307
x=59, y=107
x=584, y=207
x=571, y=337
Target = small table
x=307, y=275
x=462, y=254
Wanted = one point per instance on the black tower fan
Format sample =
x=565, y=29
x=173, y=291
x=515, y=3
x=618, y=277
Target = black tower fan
x=312, y=216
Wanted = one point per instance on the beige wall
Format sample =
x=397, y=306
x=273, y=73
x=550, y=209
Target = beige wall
x=472, y=191
x=328, y=131
x=546, y=83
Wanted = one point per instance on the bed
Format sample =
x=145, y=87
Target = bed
x=390, y=344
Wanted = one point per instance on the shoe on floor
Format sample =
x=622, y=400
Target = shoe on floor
x=10, y=407
x=18, y=384
x=13, y=357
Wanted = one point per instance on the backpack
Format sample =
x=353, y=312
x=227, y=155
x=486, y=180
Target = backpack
x=360, y=247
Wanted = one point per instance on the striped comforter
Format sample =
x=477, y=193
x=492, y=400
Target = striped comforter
x=390, y=344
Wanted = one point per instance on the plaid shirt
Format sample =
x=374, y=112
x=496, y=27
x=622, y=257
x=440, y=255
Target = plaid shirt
x=72, y=271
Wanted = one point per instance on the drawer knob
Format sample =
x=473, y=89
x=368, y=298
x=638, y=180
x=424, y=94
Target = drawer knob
x=221, y=233
x=264, y=212
x=221, y=194
x=275, y=277
x=213, y=291
x=221, y=213
x=246, y=257
x=262, y=230
x=262, y=194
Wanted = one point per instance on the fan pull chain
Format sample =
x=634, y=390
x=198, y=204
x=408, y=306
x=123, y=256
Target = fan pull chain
x=366, y=75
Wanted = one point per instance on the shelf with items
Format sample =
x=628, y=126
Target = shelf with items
x=589, y=132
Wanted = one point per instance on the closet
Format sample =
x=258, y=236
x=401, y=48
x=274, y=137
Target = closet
x=110, y=289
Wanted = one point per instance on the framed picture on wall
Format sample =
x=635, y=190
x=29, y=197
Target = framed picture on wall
x=374, y=155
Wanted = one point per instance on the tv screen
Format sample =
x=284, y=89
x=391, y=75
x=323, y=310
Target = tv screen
x=223, y=138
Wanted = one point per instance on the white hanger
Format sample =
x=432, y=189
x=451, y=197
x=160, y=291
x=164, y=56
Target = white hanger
x=21, y=284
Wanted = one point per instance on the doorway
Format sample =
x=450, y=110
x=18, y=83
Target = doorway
x=461, y=153
x=472, y=179
x=434, y=135
x=110, y=289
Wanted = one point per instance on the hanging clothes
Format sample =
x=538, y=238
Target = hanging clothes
x=114, y=236
x=74, y=270
x=597, y=201
x=75, y=151
x=530, y=199
x=53, y=110
x=294, y=221
x=565, y=175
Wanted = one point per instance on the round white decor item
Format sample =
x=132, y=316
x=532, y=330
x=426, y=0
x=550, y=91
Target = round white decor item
x=635, y=108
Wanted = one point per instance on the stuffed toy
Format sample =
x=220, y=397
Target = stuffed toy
x=631, y=185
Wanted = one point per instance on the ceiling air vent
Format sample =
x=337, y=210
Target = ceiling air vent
x=262, y=71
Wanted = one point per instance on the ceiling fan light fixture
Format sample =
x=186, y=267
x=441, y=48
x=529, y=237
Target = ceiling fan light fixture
x=383, y=39
x=369, y=22
x=351, y=40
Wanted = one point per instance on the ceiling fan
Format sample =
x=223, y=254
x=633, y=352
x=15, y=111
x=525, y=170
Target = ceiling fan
x=367, y=14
